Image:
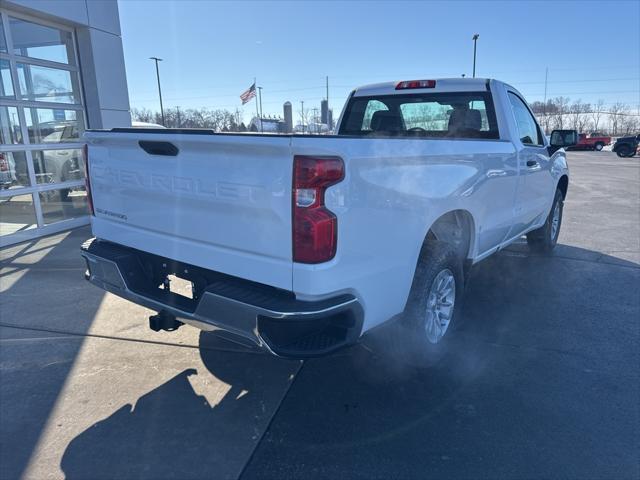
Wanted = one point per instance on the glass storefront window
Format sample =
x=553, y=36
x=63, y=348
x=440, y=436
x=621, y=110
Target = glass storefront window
x=40, y=41
x=13, y=170
x=10, y=133
x=3, y=42
x=6, y=84
x=17, y=214
x=63, y=204
x=54, y=166
x=42, y=119
x=45, y=84
x=48, y=125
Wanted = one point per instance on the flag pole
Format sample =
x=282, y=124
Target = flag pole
x=255, y=84
x=260, y=100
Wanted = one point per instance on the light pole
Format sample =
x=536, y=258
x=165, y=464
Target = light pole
x=156, y=59
x=475, y=41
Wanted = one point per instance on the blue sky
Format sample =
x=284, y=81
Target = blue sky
x=213, y=50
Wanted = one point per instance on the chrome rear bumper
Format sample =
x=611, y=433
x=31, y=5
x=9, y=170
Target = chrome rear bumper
x=270, y=318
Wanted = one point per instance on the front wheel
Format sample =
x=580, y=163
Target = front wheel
x=545, y=238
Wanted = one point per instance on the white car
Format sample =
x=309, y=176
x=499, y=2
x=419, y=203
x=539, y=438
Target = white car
x=301, y=244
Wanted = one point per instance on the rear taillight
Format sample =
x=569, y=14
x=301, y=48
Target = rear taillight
x=87, y=182
x=4, y=164
x=315, y=228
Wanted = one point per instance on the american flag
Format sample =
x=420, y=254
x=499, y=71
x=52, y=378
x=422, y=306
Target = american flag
x=248, y=94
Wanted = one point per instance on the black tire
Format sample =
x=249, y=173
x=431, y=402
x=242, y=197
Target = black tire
x=435, y=258
x=624, y=151
x=598, y=146
x=544, y=239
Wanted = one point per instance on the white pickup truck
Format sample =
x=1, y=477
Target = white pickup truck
x=301, y=243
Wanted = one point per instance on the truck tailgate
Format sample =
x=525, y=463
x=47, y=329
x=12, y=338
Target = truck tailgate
x=222, y=202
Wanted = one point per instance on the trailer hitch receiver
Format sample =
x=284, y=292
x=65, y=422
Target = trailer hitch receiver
x=164, y=321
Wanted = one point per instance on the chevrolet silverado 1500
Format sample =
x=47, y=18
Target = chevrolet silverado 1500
x=301, y=243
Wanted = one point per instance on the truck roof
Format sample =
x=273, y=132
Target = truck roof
x=442, y=85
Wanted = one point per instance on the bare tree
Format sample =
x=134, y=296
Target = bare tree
x=575, y=111
x=616, y=113
x=142, y=115
x=561, y=109
x=579, y=115
x=175, y=117
x=629, y=124
x=597, y=110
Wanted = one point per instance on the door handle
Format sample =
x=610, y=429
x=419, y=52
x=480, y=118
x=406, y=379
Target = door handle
x=532, y=163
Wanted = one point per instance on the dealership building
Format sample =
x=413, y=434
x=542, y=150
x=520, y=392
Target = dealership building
x=62, y=71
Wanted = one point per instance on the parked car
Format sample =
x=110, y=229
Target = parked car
x=591, y=142
x=627, y=146
x=302, y=243
x=7, y=170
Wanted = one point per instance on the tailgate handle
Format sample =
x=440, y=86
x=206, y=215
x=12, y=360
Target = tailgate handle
x=167, y=149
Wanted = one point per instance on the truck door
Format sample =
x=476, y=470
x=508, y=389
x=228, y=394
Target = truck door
x=535, y=184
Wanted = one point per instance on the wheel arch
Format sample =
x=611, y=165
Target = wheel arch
x=456, y=227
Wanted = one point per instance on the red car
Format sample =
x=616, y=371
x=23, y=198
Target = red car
x=591, y=142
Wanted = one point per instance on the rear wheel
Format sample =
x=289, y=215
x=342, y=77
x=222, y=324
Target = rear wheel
x=545, y=238
x=624, y=151
x=434, y=301
x=598, y=146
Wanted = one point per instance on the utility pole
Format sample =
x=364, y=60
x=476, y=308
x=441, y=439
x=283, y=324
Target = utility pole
x=156, y=59
x=260, y=99
x=257, y=112
x=302, y=115
x=475, y=41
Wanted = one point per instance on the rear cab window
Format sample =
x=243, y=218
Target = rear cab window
x=432, y=115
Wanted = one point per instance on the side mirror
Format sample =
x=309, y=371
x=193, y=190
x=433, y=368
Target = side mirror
x=563, y=138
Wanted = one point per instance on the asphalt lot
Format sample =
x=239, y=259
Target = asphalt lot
x=541, y=381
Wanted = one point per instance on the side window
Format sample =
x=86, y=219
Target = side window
x=527, y=127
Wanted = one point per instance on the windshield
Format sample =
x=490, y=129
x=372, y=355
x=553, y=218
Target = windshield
x=452, y=115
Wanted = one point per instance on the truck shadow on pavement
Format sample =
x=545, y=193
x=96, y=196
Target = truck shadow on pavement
x=529, y=338
x=173, y=432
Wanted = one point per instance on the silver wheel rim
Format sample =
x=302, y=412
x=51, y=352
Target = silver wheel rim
x=555, y=221
x=440, y=305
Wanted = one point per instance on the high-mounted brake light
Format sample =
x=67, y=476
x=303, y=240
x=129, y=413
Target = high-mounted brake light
x=87, y=182
x=409, y=84
x=315, y=228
